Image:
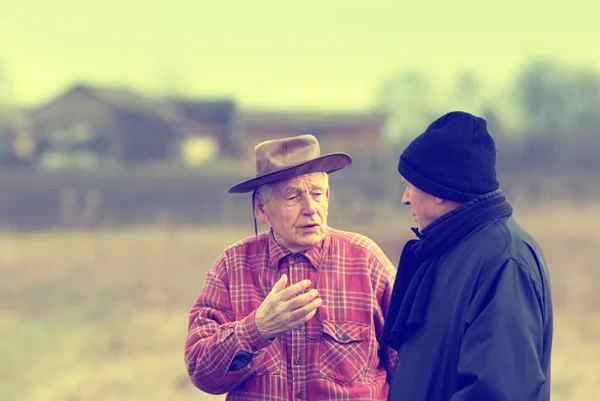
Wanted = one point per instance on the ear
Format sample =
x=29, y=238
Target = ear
x=327, y=194
x=259, y=209
x=446, y=205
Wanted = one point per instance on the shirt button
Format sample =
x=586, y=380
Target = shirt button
x=299, y=394
x=298, y=361
x=254, y=348
x=345, y=337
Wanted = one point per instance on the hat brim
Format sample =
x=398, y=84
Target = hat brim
x=328, y=163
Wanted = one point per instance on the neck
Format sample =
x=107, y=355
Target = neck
x=446, y=207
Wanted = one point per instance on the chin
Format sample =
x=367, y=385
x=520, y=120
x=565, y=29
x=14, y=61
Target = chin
x=312, y=239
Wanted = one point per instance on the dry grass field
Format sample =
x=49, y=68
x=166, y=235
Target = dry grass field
x=101, y=315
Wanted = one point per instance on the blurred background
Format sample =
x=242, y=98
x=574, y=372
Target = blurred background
x=123, y=124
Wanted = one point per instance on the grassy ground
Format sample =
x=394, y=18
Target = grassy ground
x=101, y=316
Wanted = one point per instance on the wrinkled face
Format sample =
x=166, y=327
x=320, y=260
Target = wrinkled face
x=425, y=207
x=297, y=212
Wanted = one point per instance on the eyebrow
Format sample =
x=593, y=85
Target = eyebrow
x=289, y=190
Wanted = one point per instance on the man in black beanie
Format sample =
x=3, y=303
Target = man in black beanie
x=471, y=309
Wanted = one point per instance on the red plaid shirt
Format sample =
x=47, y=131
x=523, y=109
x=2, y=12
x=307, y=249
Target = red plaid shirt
x=355, y=281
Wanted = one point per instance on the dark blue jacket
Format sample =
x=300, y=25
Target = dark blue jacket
x=486, y=332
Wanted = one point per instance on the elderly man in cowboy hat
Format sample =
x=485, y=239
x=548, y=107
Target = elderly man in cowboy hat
x=295, y=312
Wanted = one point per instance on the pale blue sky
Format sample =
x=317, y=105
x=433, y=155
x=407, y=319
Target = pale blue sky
x=312, y=54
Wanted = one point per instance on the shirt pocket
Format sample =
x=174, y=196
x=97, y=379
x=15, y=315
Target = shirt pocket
x=343, y=351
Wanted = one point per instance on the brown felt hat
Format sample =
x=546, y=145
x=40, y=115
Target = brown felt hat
x=282, y=159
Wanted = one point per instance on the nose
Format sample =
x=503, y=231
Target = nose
x=406, y=197
x=310, y=206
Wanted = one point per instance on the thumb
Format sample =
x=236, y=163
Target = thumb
x=279, y=285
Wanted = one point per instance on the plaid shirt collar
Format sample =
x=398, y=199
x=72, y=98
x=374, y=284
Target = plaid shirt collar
x=314, y=254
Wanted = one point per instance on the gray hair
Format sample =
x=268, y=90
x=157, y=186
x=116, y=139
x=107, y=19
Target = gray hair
x=265, y=191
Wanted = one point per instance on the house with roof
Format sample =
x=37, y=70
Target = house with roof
x=210, y=128
x=90, y=127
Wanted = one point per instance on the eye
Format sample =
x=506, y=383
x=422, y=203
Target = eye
x=291, y=197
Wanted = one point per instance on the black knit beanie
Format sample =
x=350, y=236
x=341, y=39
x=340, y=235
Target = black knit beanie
x=454, y=159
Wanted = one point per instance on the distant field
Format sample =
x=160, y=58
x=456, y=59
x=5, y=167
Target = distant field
x=101, y=316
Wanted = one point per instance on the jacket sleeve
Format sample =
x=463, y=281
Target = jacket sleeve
x=389, y=354
x=215, y=338
x=502, y=344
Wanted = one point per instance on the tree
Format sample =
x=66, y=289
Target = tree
x=559, y=107
x=409, y=100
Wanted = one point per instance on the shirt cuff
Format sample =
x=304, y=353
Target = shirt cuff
x=250, y=338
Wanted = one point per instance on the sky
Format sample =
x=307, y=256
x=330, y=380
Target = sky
x=279, y=55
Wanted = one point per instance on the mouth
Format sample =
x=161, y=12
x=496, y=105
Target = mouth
x=308, y=226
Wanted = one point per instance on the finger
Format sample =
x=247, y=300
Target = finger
x=294, y=289
x=304, y=318
x=310, y=307
x=279, y=285
x=300, y=300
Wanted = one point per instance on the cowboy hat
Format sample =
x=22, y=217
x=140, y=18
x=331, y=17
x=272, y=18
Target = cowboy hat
x=282, y=159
